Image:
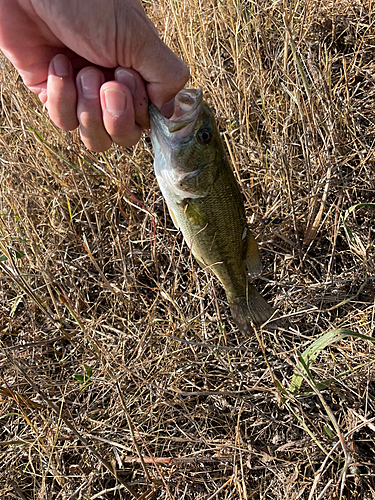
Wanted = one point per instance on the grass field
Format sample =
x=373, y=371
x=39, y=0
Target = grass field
x=122, y=373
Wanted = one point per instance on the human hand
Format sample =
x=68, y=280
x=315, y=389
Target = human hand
x=54, y=45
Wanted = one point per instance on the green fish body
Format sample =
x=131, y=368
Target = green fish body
x=205, y=202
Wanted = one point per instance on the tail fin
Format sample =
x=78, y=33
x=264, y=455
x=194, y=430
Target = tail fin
x=253, y=309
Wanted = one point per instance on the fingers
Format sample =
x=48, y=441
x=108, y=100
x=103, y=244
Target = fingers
x=61, y=93
x=114, y=111
x=135, y=83
x=106, y=112
x=118, y=114
x=89, y=112
x=125, y=107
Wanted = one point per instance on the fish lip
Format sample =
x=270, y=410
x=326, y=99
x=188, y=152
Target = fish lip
x=167, y=126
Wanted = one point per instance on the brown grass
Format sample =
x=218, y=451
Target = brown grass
x=122, y=373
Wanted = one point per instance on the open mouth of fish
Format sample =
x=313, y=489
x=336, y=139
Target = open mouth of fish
x=187, y=107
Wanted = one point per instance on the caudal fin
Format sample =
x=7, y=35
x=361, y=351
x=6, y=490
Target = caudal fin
x=253, y=309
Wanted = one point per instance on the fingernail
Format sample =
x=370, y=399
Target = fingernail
x=90, y=83
x=115, y=101
x=127, y=78
x=61, y=65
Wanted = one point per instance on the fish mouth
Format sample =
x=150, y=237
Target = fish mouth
x=187, y=108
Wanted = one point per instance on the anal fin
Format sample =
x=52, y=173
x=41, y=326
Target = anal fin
x=252, y=258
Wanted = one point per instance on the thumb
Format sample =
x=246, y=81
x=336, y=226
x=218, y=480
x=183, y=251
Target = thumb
x=169, y=76
x=165, y=74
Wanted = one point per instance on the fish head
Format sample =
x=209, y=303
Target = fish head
x=186, y=145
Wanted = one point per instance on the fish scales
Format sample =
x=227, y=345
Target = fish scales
x=205, y=202
x=216, y=237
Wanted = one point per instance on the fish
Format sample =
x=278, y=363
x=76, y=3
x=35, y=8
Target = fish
x=206, y=204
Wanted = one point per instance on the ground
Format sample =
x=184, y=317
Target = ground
x=122, y=373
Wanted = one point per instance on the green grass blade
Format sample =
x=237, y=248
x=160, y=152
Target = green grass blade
x=311, y=353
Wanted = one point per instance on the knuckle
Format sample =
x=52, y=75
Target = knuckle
x=90, y=121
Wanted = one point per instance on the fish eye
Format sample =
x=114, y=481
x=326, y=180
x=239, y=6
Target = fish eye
x=204, y=135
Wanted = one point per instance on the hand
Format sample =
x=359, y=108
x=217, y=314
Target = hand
x=54, y=45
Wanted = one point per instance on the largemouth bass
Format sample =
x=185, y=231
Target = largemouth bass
x=205, y=202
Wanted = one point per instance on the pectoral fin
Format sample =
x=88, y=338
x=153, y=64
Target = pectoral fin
x=192, y=213
x=252, y=259
x=174, y=219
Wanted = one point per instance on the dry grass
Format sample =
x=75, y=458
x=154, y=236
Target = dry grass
x=121, y=368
